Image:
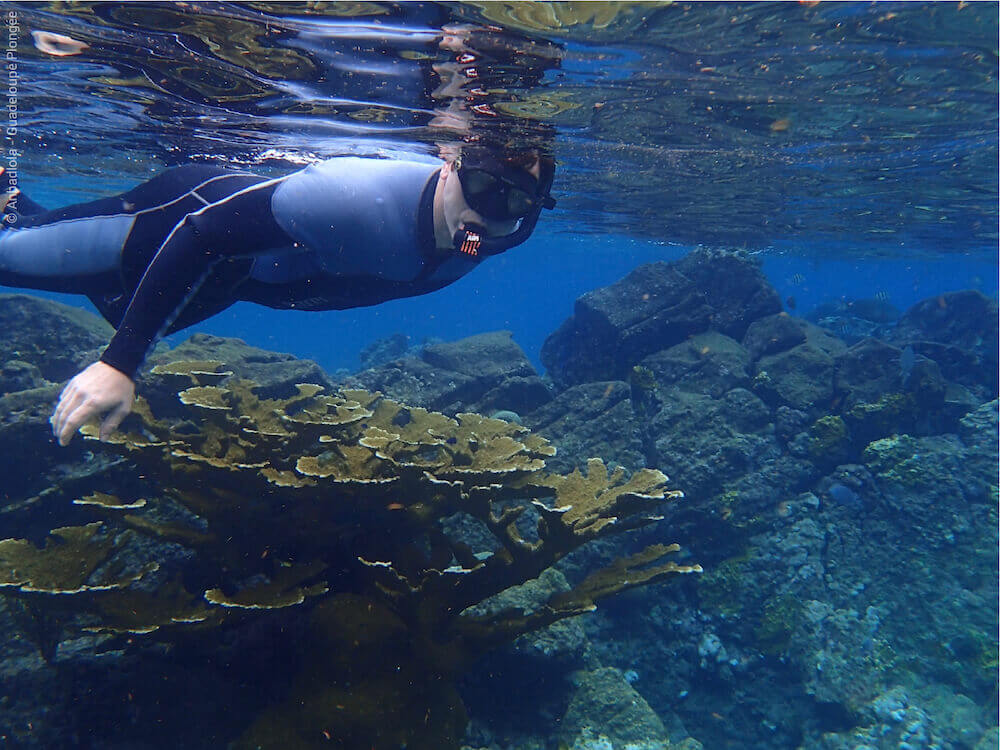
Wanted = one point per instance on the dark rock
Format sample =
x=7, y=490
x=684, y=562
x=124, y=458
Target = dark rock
x=801, y=377
x=595, y=419
x=519, y=395
x=58, y=339
x=967, y=319
x=882, y=390
x=867, y=371
x=606, y=704
x=773, y=334
x=960, y=332
x=274, y=372
x=418, y=383
x=919, y=476
x=41, y=478
x=789, y=422
x=855, y=319
x=747, y=412
x=41, y=344
x=703, y=443
x=483, y=373
x=709, y=363
x=561, y=645
x=868, y=308
x=384, y=350
x=829, y=441
x=655, y=307
x=489, y=357
x=850, y=486
x=771, y=476
x=17, y=375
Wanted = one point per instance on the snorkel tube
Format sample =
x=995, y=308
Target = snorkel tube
x=472, y=240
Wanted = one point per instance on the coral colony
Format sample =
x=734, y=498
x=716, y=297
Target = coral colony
x=338, y=504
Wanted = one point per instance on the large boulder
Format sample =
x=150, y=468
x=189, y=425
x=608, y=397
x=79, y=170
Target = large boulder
x=275, y=373
x=607, y=712
x=57, y=339
x=657, y=306
x=773, y=334
x=596, y=419
x=709, y=363
x=800, y=377
x=704, y=443
x=959, y=331
x=486, y=373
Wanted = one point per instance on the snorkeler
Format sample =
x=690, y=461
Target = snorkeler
x=187, y=244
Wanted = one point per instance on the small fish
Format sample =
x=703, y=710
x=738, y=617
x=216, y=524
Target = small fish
x=790, y=302
x=882, y=296
x=797, y=280
x=780, y=126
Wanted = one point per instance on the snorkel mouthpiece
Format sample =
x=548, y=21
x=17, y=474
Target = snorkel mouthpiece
x=468, y=241
x=473, y=241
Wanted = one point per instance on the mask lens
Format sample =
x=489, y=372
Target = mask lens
x=494, y=196
x=519, y=203
x=476, y=182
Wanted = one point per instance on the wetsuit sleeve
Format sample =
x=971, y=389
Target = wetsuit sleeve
x=238, y=225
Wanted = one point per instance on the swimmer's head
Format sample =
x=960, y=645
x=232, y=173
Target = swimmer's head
x=497, y=190
x=497, y=196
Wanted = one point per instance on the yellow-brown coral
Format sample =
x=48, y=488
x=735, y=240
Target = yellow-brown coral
x=332, y=501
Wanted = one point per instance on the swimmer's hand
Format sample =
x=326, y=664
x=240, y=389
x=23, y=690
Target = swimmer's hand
x=100, y=389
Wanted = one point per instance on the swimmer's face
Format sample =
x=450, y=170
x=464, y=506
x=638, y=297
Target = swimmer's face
x=459, y=213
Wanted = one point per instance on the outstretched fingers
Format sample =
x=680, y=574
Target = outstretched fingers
x=74, y=420
x=111, y=422
x=69, y=401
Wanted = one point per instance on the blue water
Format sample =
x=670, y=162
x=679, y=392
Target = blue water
x=530, y=291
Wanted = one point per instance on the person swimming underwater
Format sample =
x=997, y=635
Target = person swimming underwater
x=346, y=232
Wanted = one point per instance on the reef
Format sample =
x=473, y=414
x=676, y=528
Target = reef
x=841, y=495
x=843, y=502
x=335, y=504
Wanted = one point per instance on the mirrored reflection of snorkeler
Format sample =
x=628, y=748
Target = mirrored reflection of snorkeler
x=346, y=232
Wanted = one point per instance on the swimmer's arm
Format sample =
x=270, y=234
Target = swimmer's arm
x=174, y=276
x=108, y=386
x=239, y=226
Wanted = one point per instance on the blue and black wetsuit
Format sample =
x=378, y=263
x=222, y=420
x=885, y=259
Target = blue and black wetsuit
x=347, y=232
